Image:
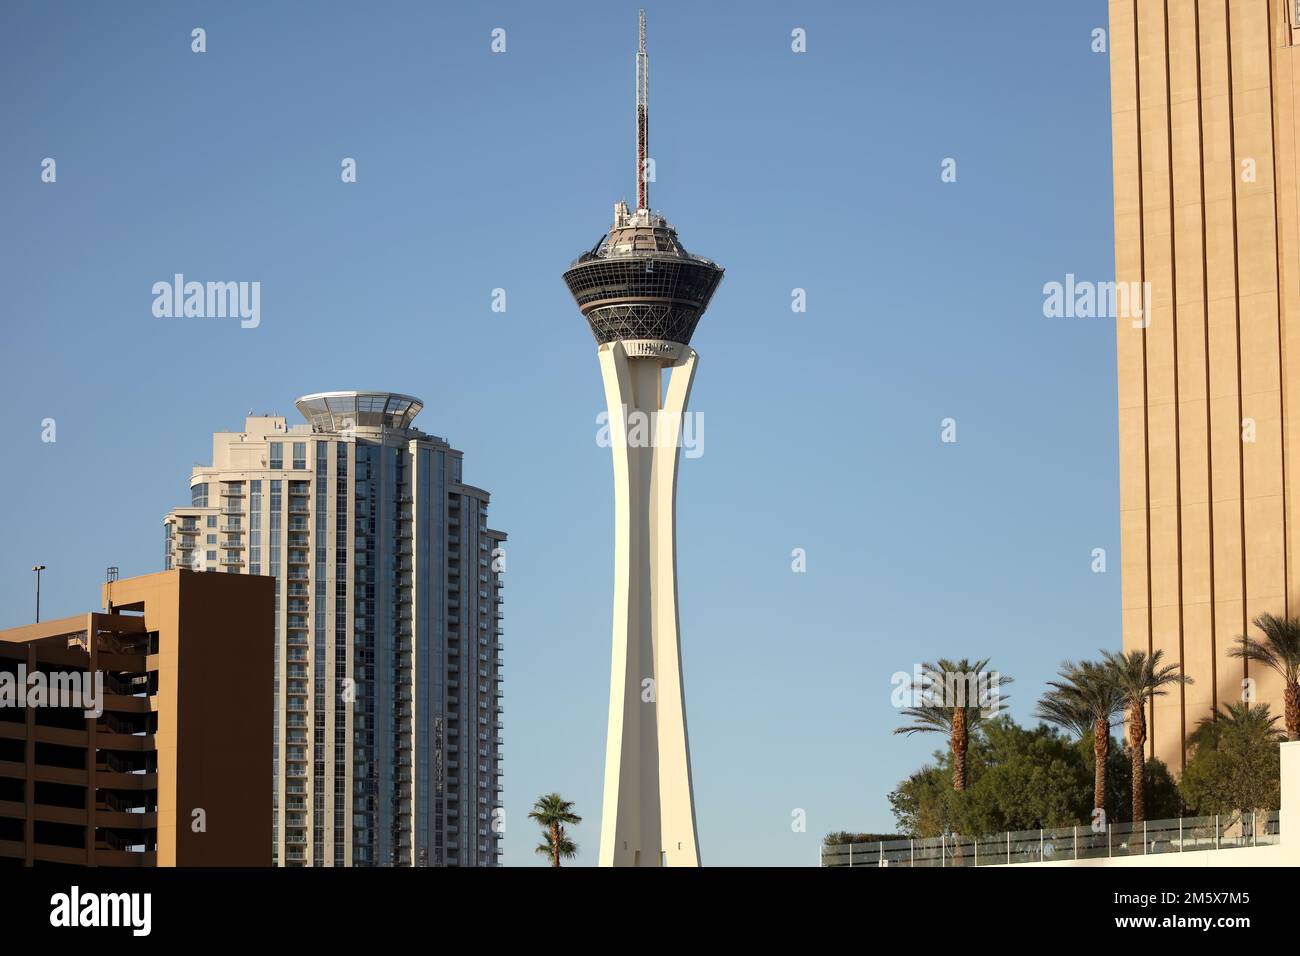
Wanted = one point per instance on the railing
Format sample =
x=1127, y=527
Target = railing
x=1183, y=834
x=126, y=686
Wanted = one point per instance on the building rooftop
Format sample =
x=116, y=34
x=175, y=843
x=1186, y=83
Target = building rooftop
x=343, y=411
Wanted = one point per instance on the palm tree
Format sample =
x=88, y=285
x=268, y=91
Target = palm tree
x=953, y=698
x=1085, y=700
x=1235, y=761
x=1140, y=678
x=1279, y=650
x=1236, y=722
x=568, y=849
x=552, y=812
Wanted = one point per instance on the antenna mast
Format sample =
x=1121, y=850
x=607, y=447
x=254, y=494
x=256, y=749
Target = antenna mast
x=642, y=120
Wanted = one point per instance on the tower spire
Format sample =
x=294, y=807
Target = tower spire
x=642, y=120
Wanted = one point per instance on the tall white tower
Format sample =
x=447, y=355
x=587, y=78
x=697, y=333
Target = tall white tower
x=643, y=294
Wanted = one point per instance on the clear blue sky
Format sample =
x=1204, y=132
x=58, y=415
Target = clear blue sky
x=478, y=170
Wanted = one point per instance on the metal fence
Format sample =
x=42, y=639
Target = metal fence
x=1179, y=835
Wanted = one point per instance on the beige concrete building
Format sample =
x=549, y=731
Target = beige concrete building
x=387, y=622
x=157, y=766
x=1204, y=101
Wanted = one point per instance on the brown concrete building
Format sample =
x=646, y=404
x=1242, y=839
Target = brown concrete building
x=172, y=771
x=1204, y=107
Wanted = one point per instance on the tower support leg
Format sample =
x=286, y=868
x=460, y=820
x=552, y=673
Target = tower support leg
x=648, y=818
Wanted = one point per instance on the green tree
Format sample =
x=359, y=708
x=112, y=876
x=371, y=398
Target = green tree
x=1235, y=763
x=1161, y=796
x=1279, y=651
x=1020, y=779
x=1086, y=701
x=553, y=813
x=1140, y=678
x=953, y=698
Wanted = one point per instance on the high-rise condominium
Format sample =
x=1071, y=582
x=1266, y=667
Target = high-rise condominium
x=387, y=626
x=1205, y=109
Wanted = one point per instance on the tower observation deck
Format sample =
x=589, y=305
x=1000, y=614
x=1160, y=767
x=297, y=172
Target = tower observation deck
x=639, y=282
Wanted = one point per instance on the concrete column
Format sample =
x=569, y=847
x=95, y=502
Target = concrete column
x=648, y=817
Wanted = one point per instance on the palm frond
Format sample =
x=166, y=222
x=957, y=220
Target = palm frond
x=1279, y=649
x=1085, y=694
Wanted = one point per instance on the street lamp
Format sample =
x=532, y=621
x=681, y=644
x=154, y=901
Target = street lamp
x=38, y=568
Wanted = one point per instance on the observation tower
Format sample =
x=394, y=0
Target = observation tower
x=643, y=294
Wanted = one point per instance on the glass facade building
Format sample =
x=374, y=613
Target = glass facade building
x=388, y=626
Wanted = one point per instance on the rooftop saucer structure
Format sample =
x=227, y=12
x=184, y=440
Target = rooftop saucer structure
x=341, y=412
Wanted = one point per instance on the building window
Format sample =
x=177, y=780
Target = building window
x=277, y=455
x=212, y=539
x=199, y=495
x=212, y=521
x=300, y=456
x=212, y=556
